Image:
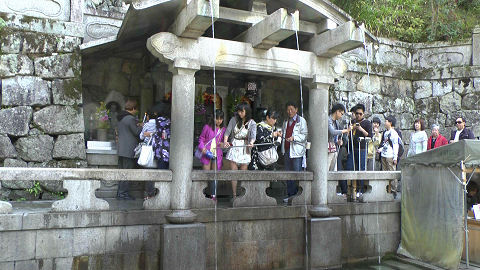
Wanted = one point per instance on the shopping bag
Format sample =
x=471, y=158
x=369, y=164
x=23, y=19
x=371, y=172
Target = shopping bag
x=147, y=157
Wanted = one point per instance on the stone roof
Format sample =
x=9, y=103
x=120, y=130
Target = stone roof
x=232, y=18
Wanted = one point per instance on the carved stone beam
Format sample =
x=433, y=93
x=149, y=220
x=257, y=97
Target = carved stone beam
x=325, y=25
x=271, y=30
x=259, y=6
x=236, y=56
x=333, y=42
x=195, y=18
x=248, y=18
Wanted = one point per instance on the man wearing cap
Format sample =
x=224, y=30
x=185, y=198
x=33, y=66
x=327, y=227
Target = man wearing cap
x=436, y=139
x=374, y=143
x=461, y=133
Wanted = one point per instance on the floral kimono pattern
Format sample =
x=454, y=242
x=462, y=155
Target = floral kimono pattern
x=161, y=139
x=264, y=135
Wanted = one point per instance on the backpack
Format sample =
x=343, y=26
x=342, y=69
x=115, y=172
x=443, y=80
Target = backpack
x=401, y=148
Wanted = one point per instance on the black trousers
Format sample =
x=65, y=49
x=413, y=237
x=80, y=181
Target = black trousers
x=125, y=163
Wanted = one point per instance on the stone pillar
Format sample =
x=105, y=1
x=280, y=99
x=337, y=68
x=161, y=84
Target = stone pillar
x=318, y=129
x=76, y=11
x=324, y=243
x=181, y=139
x=183, y=246
x=476, y=46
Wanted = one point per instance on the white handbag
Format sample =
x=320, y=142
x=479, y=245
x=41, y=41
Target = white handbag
x=147, y=157
x=268, y=156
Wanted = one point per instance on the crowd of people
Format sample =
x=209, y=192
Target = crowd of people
x=354, y=144
x=358, y=144
x=242, y=145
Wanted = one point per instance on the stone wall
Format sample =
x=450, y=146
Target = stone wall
x=247, y=238
x=434, y=81
x=41, y=115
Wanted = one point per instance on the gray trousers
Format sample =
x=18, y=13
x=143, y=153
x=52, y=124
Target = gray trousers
x=125, y=163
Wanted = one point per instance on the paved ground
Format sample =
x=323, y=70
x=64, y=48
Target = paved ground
x=399, y=264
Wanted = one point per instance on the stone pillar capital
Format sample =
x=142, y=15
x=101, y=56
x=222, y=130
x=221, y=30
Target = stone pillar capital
x=476, y=46
x=184, y=66
x=321, y=82
x=476, y=30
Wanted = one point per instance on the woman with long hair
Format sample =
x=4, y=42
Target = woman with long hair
x=240, y=135
x=418, y=139
x=210, y=143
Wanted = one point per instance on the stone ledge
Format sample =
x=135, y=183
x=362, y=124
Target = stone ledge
x=198, y=175
x=52, y=174
x=48, y=174
x=366, y=175
x=41, y=25
x=42, y=219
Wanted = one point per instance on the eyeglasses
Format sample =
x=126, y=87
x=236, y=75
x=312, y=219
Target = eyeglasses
x=359, y=113
x=458, y=122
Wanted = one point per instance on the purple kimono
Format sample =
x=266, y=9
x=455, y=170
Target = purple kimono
x=161, y=139
x=205, y=137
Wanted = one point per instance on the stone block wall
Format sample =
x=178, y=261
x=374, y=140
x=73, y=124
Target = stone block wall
x=247, y=238
x=41, y=115
x=437, y=82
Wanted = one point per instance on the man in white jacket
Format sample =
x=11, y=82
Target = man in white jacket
x=389, y=150
x=294, y=145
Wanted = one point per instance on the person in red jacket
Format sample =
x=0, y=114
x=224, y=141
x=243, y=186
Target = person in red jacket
x=436, y=139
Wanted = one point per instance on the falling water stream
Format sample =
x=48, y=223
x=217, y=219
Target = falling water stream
x=304, y=163
x=362, y=28
x=304, y=160
x=214, y=120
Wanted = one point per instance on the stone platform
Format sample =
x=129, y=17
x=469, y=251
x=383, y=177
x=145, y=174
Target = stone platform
x=247, y=237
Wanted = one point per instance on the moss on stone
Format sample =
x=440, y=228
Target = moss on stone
x=4, y=17
x=73, y=88
x=27, y=19
x=35, y=125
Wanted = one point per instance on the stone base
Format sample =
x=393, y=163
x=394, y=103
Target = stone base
x=5, y=207
x=181, y=217
x=324, y=242
x=183, y=246
x=81, y=197
x=319, y=211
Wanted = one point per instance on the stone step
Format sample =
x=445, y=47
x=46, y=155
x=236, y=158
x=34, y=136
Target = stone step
x=382, y=267
x=401, y=265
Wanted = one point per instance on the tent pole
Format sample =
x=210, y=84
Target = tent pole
x=464, y=178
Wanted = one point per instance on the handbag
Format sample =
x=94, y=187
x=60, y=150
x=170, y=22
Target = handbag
x=268, y=157
x=198, y=153
x=138, y=149
x=147, y=157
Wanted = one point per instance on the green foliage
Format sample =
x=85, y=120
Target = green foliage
x=36, y=189
x=416, y=20
x=3, y=24
x=60, y=195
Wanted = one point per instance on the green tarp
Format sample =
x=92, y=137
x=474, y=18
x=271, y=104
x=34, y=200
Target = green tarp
x=433, y=203
x=448, y=155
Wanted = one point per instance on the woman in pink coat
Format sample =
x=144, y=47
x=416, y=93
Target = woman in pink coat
x=210, y=143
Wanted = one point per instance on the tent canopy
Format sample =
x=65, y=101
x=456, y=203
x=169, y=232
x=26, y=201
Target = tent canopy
x=433, y=203
x=448, y=155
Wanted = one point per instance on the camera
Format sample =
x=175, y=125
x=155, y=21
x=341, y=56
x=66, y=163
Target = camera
x=357, y=124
